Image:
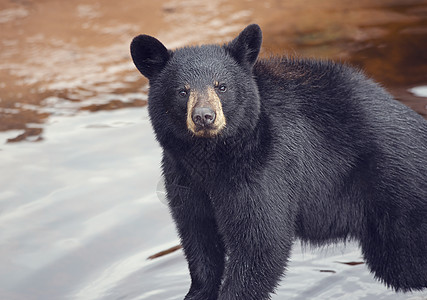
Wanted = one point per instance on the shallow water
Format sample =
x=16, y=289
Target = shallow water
x=79, y=212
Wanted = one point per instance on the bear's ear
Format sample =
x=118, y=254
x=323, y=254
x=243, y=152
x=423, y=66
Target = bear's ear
x=149, y=55
x=245, y=48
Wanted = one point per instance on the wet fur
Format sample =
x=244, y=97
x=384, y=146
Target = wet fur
x=312, y=150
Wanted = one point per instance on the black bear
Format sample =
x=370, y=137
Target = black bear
x=260, y=152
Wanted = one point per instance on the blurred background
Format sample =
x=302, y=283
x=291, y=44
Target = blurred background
x=79, y=211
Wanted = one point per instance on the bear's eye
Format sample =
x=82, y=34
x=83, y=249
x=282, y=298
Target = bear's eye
x=183, y=93
x=222, y=88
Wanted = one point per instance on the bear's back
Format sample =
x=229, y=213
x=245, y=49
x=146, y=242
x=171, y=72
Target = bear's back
x=337, y=101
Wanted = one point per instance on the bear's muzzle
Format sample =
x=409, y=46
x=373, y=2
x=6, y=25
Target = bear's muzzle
x=205, y=117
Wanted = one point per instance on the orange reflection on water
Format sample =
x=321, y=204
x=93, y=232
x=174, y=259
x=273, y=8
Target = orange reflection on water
x=62, y=57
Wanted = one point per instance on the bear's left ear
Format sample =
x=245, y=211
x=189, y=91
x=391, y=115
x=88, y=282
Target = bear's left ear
x=149, y=55
x=245, y=48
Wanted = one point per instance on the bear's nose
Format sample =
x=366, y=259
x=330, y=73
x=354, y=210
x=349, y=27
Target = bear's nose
x=203, y=116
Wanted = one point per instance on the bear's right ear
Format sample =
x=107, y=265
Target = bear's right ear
x=149, y=55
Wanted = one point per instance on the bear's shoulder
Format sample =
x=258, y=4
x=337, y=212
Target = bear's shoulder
x=304, y=70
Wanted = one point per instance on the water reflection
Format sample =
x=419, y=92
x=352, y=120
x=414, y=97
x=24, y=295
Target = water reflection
x=79, y=215
x=77, y=52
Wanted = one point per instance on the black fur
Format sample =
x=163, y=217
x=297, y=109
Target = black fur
x=311, y=150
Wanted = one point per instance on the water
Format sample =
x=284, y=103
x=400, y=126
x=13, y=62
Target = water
x=79, y=210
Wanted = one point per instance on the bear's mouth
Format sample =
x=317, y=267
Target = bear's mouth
x=207, y=131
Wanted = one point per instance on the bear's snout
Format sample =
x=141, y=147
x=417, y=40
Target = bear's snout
x=203, y=116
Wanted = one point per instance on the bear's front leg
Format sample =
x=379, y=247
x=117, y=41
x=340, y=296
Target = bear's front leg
x=258, y=232
x=203, y=248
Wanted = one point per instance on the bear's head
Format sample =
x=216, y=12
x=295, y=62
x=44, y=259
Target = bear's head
x=205, y=91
